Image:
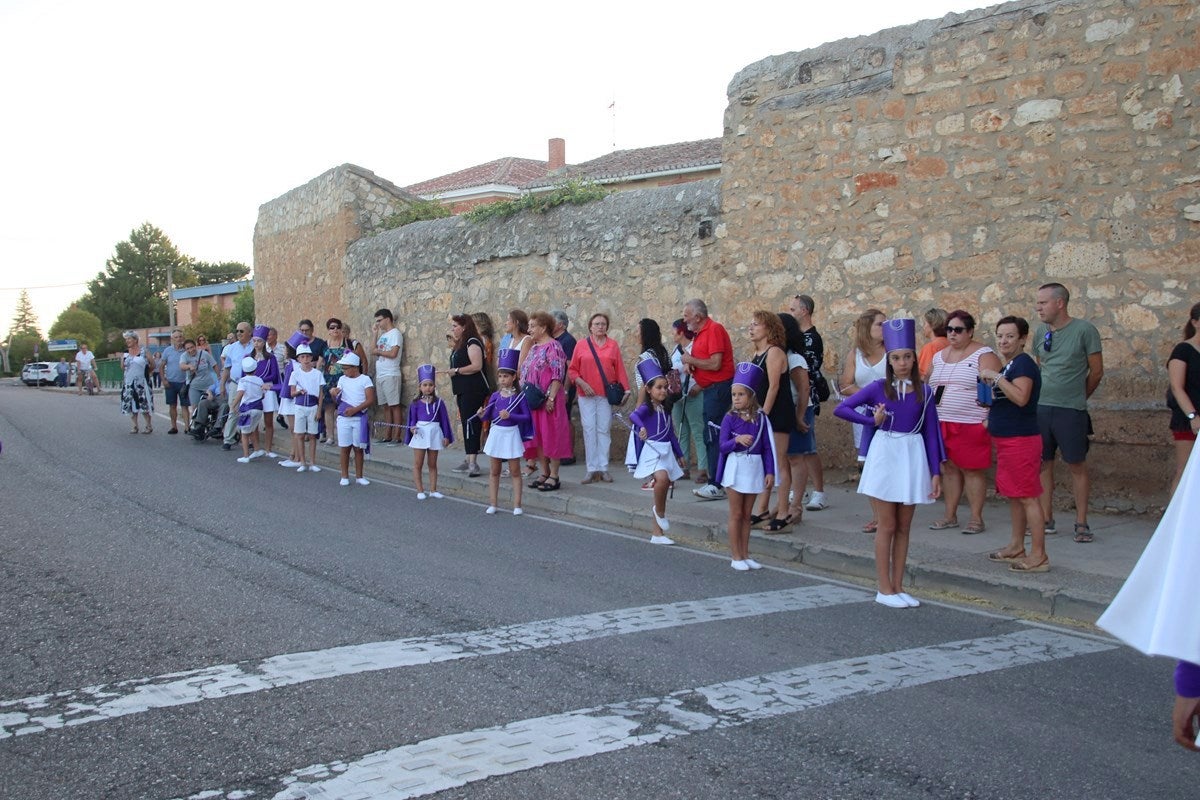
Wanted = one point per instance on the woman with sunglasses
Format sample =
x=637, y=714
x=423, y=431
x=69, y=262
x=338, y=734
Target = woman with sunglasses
x=954, y=379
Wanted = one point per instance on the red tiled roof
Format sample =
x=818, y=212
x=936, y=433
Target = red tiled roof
x=642, y=161
x=506, y=171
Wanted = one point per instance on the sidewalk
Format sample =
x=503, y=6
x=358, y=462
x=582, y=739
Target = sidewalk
x=1082, y=581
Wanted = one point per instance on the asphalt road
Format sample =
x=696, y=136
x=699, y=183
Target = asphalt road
x=174, y=624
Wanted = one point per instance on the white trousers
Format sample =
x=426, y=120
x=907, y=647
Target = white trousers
x=595, y=414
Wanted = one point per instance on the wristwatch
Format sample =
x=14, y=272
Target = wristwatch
x=1191, y=416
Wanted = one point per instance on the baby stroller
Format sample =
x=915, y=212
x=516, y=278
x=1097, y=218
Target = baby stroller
x=208, y=420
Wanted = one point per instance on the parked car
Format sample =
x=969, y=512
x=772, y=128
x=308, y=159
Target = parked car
x=38, y=373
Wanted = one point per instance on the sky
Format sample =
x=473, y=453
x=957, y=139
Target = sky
x=190, y=116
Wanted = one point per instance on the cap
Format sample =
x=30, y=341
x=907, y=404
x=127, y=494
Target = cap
x=426, y=372
x=899, y=334
x=749, y=375
x=508, y=359
x=303, y=350
x=248, y=364
x=349, y=360
x=649, y=369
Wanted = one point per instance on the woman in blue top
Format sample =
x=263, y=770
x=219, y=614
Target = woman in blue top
x=1014, y=428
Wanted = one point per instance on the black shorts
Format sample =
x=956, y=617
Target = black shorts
x=1065, y=429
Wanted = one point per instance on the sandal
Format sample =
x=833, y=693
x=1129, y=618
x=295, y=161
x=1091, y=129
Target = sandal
x=871, y=527
x=1021, y=566
x=944, y=525
x=537, y=482
x=974, y=527
x=999, y=556
x=755, y=519
x=1083, y=533
x=778, y=525
x=548, y=487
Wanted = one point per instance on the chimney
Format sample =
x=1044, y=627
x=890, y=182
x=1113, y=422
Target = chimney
x=558, y=154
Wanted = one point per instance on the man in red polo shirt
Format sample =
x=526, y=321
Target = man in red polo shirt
x=711, y=365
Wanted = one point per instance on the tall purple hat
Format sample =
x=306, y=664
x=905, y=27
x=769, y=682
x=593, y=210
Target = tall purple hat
x=507, y=360
x=261, y=332
x=749, y=375
x=649, y=369
x=297, y=339
x=899, y=334
x=426, y=372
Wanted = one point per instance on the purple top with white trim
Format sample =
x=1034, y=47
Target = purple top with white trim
x=733, y=426
x=905, y=415
x=658, y=425
x=420, y=411
x=518, y=413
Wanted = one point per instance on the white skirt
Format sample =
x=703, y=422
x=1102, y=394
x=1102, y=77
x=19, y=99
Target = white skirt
x=656, y=456
x=744, y=473
x=631, y=459
x=270, y=401
x=504, y=442
x=287, y=406
x=896, y=469
x=427, y=436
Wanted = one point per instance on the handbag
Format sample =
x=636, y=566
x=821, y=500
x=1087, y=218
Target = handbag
x=983, y=392
x=613, y=391
x=534, y=395
x=820, y=386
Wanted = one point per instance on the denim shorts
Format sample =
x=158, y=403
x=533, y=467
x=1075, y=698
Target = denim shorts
x=804, y=444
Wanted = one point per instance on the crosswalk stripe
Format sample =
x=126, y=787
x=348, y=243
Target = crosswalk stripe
x=96, y=703
x=446, y=762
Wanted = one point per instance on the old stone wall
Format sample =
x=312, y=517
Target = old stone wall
x=300, y=243
x=962, y=162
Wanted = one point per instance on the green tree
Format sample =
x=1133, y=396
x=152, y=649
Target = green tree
x=211, y=322
x=20, y=349
x=75, y=323
x=24, y=321
x=132, y=291
x=243, y=306
x=225, y=272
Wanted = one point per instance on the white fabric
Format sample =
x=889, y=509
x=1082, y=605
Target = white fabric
x=349, y=432
x=427, y=435
x=1156, y=610
x=354, y=390
x=896, y=469
x=383, y=364
x=287, y=406
x=595, y=415
x=504, y=442
x=744, y=473
x=796, y=360
x=270, y=401
x=656, y=456
x=251, y=387
x=85, y=360
x=310, y=381
x=305, y=420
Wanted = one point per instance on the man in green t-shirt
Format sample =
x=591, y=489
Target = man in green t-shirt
x=1068, y=351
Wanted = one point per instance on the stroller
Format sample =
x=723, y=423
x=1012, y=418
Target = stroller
x=208, y=419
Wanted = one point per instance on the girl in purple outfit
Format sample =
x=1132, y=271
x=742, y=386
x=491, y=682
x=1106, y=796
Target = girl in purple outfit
x=428, y=430
x=659, y=456
x=903, y=447
x=746, y=467
x=511, y=427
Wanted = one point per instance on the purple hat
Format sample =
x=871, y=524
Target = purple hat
x=649, y=370
x=899, y=334
x=426, y=372
x=261, y=332
x=749, y=375
x=507, y=360
x=296, y=339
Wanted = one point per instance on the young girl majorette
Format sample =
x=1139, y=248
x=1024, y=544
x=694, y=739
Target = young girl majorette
x=267, y=368
x=511, y=427
x=428, y=430
x=746, y=467
x=903, y=446
x=657, y=448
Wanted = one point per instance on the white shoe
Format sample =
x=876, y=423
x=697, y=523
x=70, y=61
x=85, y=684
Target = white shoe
x=287, y=462
x=313, y=468
x=752, y=564
x=663, y=522
x=436, y=495
x=244, y=460
x=909, y=600
x=421, y=495
x=740, y=566
x=816, y=502
x=661, y=540
x=258, y=454
x=709, y=492
x=517, y=511
x=344, y=482
x=272, y=454
x=301, y=468
x=890, y=600
x=362, y=481
x=490, y=510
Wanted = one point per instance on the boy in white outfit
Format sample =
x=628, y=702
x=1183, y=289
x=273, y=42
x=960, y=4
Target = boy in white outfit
x=355, y=394
x=248, y=405
x=304, y=387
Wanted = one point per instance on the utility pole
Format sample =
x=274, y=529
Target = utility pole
x=170, y=299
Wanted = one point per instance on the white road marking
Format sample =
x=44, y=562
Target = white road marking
x=446, y=762
x=41, y=713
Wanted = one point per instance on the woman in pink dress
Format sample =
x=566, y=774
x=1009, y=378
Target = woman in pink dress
x=545, y=367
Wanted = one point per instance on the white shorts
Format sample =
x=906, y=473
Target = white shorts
x=306, y=420
x=287, y=406
x=349, y=432
x=387, y=390
x=256, y=418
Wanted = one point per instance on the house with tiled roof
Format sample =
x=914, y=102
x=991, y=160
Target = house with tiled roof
x=507, y=178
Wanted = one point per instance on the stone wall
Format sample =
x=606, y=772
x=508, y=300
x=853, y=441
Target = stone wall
x=300, y=243
x=962, y=162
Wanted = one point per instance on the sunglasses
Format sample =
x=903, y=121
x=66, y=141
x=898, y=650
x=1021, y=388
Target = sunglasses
x=955, y=329
x=334, y=328
x=1048, y=340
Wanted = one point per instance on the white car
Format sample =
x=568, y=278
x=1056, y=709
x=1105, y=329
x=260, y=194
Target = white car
x=38, y=373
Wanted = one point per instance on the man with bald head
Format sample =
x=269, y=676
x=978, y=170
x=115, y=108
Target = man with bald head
x=711, y=366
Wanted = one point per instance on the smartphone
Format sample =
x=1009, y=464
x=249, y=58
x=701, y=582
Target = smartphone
x=937, y=394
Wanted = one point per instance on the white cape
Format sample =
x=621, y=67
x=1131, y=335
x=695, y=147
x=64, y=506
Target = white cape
x=1157, y=611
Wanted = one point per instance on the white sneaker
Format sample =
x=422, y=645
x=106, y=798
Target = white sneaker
x=436, y=495
x=362, y=481
x=909, y=600
x=344, y=482
x=287, y=462
x=752, y=564
x=313, y=468
x=244, y=460
x=490, y=510
x=740, y=566
x=421, y=495
x=709, y=492
x=663, y=522
x=890, y=600
x=661, y=540
x=816, y=502
x=271, y=454
x=301, y=468
x=258, y=454
x=517, y=511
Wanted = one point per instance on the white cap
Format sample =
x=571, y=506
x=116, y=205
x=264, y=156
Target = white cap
x=248, y=364
x=304, y=350
x=349, y=360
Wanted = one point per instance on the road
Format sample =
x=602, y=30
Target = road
x=177, y=625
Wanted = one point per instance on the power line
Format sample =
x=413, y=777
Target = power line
x=55, y=286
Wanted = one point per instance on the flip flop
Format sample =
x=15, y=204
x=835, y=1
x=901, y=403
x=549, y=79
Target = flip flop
x=999, y=556
x=974, y=527
x=871, y=526
x=944, y=525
